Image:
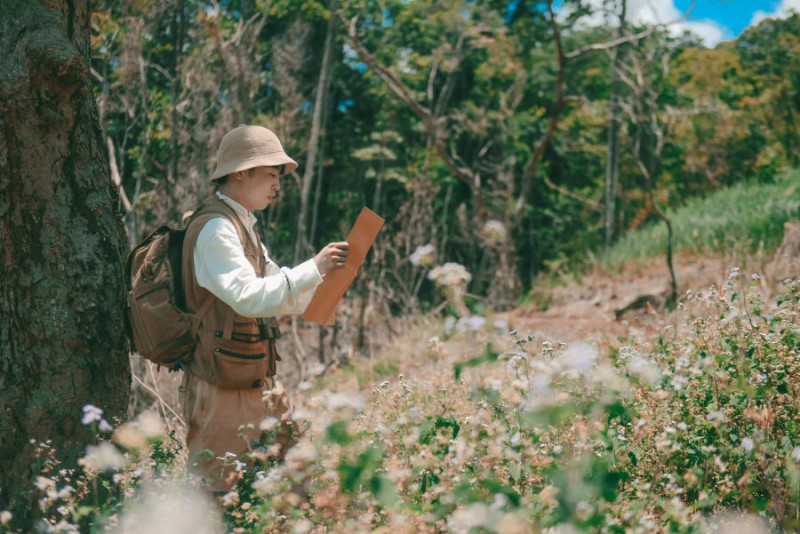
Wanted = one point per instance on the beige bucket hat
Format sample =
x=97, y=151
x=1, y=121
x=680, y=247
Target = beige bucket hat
x=248, y=146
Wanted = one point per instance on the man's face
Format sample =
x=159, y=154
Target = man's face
x=261, y=185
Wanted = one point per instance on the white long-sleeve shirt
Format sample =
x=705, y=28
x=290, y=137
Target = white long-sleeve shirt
x=221, y=267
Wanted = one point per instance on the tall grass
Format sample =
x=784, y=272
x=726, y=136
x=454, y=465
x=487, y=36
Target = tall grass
x=744, y=216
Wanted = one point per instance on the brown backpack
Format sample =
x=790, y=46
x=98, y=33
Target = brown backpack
x=159, y=327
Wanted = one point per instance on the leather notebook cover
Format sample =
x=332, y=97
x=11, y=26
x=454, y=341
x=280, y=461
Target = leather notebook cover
x=322, y=308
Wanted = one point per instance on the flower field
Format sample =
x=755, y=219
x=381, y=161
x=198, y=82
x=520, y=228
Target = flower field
x=483, y=430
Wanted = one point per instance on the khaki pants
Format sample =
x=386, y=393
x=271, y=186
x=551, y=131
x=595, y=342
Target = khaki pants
x=215, y=419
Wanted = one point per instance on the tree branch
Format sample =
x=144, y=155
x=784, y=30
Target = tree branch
x=538, y=153
x=404, y=94
x=628, y=38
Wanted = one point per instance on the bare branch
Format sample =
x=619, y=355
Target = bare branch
x=403, y=93
x=115, y=177
x=390, y=79
x=613, y=43
x=538, y=153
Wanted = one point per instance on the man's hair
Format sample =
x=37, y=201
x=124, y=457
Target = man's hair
x=219, y=182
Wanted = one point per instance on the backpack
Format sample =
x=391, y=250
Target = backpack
x=159, y=327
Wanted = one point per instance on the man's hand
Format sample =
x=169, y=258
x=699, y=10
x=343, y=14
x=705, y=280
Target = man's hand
x=332, y=257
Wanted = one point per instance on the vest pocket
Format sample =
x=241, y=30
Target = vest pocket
x=240, y=365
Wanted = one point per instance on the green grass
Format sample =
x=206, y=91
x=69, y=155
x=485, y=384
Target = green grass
x=744, y=216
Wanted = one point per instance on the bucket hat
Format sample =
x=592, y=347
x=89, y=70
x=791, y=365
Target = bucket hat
x=248, y=146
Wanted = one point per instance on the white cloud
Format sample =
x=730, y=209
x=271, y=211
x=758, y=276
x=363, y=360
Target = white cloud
x=781, y=12
x=709, y=31
x=662, y=12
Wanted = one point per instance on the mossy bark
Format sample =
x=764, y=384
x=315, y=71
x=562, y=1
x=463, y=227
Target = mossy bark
x=62, y=247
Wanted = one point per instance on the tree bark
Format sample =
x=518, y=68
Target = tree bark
x=177, y=51
x=302, y=243
x=612, y=163
x=62, y=245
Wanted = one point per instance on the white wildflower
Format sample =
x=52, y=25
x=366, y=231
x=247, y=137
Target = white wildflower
x=450, y=274
x=302, y=526
x=747, y=444
x=579, y=357
x=102, y=457
x=796, y=454
x=424, y=255
x=91, y=413
x=301, y=414
x=449, y=326
x=500, y=325
x=473, y=322
x=269, y=483
x=469, y=517
x=5, y=517
x=740, y=523
x=715, y=416
x=500, y=502
x=130, y=436
x=230, y=498
x=43, y=483
x=268, y=424
x=517, y=360
x=679, y=382
x=645, y=369
x=157, y=511
x=301, y=455
x=494, y=232
x=105, y=426
x=150, y=424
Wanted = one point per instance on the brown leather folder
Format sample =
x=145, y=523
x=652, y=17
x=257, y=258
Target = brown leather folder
x=322, y=308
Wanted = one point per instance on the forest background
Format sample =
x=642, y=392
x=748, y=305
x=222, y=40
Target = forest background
x=507, y=137
x=505, y=143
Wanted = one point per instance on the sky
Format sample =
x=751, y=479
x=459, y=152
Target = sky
x=712, y=20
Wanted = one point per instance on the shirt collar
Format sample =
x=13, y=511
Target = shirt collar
x=246, y=216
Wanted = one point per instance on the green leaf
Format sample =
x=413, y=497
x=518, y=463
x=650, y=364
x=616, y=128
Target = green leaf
x=337, y=433
x=384, y=490
x=488, y=355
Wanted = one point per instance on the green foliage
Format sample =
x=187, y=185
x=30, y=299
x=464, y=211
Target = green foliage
x=487, y=356
x=172, y=77
x=742, y=217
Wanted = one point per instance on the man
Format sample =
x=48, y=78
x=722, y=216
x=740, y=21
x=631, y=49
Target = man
x=234, y=288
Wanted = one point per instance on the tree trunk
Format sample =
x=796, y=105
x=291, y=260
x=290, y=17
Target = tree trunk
x=302, y=242
x=612, y=163
x=177, y=50
x=62, y=244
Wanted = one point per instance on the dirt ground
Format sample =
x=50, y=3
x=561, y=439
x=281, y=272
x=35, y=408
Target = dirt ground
x=587, y=307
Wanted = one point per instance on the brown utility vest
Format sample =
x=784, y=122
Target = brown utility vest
x=232, y=352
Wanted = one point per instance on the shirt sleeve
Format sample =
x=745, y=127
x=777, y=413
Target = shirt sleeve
x=221, y=267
